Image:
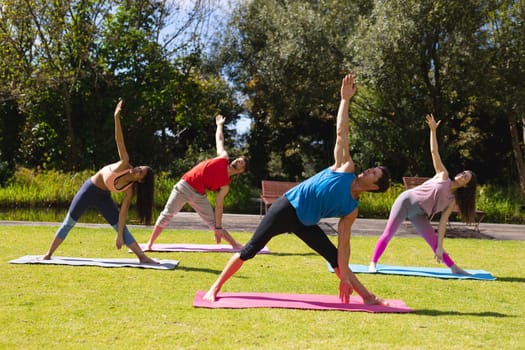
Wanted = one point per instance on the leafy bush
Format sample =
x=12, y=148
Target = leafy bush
x=55, y=189
x=6, y=172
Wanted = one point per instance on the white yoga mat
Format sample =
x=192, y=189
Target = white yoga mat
x=102, y=262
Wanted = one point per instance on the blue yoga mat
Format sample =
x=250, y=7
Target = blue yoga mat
x=436, y=272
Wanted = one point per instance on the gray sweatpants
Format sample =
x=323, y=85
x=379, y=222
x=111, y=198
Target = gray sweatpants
x=181, y=194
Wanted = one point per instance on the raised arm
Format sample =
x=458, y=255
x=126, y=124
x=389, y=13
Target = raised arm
x=434, y=151
x=119, y=137
x=219, y=137
x=342, y=157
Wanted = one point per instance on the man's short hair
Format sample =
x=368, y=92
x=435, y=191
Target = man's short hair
x=246, y=163
x=384, y=181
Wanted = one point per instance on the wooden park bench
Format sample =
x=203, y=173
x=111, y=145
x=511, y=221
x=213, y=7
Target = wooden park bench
x=271, y=190
x=411, y=182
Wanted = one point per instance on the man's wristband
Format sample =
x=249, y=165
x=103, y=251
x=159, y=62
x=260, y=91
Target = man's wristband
x=218, y=227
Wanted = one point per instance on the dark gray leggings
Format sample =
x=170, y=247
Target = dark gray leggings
x=282, y=218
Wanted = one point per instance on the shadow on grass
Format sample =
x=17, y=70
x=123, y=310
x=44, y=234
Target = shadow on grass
x=294, y=254
x=428, y=312
x=198, y=269
x=510, y=279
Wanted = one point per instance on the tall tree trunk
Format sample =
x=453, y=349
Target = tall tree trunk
x=518, y=149
x=73, y=155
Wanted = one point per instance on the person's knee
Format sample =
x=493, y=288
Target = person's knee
x=163, y=219
x=248, y=252
x=332, y=259
x=67, y=225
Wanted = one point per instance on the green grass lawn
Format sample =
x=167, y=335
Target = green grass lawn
x=64, y=307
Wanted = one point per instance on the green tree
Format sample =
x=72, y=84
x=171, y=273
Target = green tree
x=66, y=63
x=287, y=57
x=504, y=83
x=50, y=44
x=419, y=57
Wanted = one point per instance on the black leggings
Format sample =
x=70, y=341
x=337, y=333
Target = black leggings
x=282, y=218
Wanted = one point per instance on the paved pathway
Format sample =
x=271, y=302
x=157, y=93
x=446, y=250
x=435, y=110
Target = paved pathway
x=362, y=227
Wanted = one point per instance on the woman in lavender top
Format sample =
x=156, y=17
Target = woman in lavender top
x=437, y=195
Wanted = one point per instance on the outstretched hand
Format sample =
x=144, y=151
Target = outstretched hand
x=119, y=242
x=432, y=124
x=219, y=120
x=439, y=254
x=345, y=291
x=348, y=87
x=118, y=109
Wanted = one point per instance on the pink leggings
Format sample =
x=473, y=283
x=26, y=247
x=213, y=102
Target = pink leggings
x=405, y=207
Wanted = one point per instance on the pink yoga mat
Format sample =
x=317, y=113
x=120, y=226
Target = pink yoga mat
x=197, y=248
x=295, y=301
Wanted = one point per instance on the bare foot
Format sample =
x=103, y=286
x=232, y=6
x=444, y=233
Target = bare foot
x=44, y=257
x=210, y=295
x=458, y=270
x=375, y=300
x=372, y=267
x=148, y=260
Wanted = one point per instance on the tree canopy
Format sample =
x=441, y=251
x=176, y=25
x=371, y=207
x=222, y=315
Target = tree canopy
x=65, y=64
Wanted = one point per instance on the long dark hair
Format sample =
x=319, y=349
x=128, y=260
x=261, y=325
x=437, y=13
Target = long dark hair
x=466, y=199
x=145, y=197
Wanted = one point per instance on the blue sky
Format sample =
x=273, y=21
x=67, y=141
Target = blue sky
x=221, y=11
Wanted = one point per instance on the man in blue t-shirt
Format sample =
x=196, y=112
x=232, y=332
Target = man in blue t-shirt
x=333, y=192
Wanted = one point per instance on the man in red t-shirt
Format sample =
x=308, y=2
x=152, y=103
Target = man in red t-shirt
x=209, y=175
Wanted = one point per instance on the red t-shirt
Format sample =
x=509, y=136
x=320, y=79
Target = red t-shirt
x=209, y=174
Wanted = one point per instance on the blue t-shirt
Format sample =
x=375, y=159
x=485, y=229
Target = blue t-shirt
x=324, y=195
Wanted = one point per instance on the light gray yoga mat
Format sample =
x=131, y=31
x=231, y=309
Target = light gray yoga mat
x=102, y=262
